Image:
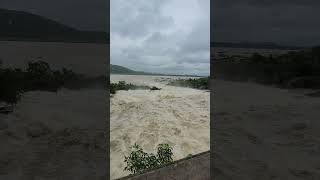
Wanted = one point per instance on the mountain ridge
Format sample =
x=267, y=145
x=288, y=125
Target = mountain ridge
x=117, y=69
x=24, y=26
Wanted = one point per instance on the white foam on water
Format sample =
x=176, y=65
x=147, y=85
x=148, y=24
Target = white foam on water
x=174, y=115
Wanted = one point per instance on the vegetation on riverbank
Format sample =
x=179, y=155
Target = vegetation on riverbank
x=122, y=85
x=197, y=83
x=39, y=76
x=295, y=69
x=139, y=161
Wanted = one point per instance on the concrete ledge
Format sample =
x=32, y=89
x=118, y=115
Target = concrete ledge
x=196, y=167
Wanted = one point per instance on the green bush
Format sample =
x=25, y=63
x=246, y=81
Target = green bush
x=154, y=88
x=11, y=85
x=38, y=69
x=139, y=161
x=197, y=83
x=39, y=76
x=275, y=70
x=122, y=85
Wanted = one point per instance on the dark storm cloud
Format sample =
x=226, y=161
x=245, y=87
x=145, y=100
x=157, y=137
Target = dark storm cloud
x=80, y=14
x=167, y=36
x=291, y=22
x=132, y=22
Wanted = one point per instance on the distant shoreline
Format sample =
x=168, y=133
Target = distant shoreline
x=117, y=69
x=53, y=41
x=253, y=45
x=157, y=75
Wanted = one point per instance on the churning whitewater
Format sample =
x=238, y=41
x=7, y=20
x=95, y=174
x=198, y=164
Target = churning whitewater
x=175, y=115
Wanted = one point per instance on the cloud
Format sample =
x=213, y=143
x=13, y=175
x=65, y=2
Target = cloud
x=137, y=18
x=170, y=36
x=291, y=22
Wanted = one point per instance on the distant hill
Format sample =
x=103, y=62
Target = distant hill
x=116, y=69
x=251, y=45
x=24, y=26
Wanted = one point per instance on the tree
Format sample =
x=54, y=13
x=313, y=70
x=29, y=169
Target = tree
x=38, y=69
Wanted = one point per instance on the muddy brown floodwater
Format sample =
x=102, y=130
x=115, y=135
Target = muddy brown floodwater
x=174, y=115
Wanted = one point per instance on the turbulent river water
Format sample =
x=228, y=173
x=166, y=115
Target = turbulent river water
x=174, y=115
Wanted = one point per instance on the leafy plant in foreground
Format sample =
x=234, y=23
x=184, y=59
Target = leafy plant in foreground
x=139, y=161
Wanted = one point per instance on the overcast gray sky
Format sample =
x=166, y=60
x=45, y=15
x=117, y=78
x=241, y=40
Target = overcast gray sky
x=161, y=36
x=288, y=22
x=292, y=22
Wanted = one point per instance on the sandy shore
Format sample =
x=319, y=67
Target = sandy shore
x=264, y=133
x=174, y=115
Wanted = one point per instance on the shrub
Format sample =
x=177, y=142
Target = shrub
x=11, y=86
x=197, y=83
x=38, y=69
x=164, y=154
x=138, y=161
x=122, y=85
x=275, y=70
x=154, y=88
x=39, y=76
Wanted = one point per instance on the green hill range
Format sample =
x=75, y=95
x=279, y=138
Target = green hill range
x=116, y=69
x=24, y=26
